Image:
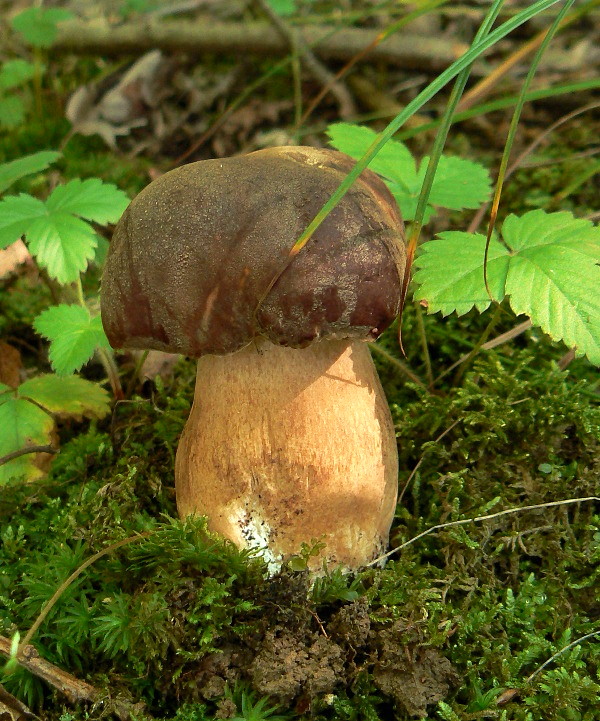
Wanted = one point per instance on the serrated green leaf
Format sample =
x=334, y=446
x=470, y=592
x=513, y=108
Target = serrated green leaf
x=554, y=277
x=22, y=424
x=17, y=213
x=12, y=111
x=62, y=244
x=73, y=334
x=394, y=161
x=285, y=8
x=38, y=25
x=28, y=164
x=90, y=199
x=14, y=73
x=72, y=395
x=458, y=183
x=548, y=268
x=450, y=273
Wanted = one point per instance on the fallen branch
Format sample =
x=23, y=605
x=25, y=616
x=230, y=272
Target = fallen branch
x=425, y=54
x=74, y=689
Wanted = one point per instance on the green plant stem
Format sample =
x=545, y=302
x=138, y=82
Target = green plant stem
x=105, y=357
x=138, y=367
x=482, y=339
x=512, y=131
x=424, y=345
x=110, y=367
x=37, y=81
x=402, y=367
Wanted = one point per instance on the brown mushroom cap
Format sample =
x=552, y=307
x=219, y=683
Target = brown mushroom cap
x=195, y=252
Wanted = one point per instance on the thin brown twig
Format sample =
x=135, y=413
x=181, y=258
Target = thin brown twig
x=76, y=690
x=24, y=451
x=321, y=74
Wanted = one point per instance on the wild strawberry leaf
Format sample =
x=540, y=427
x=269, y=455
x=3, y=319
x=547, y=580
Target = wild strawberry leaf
x=394, y=161
x=457, y=184
x=17, y=212
x=14, y=73
x=28, y=164
x=38, y=25
x=71, y=395
x=90, y=199
x=22, y=424
x=73, y=334
x=450, y=273
x=62, y=242
x=547, y=266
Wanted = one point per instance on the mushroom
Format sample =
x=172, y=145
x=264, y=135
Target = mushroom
x=290, y=439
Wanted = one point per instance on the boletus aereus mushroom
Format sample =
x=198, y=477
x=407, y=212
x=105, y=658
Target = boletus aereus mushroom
x=290, y=438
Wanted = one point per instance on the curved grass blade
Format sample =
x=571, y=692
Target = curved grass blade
x=514, y=123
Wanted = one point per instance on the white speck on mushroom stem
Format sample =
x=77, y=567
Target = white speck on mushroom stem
x=285, y=446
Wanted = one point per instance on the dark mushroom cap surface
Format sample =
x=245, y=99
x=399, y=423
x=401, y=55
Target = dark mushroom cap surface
x=195, y=252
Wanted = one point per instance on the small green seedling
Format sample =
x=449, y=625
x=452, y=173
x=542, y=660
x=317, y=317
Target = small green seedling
x=39, y=26
x=62, y=240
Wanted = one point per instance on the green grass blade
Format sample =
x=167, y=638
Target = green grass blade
x=514, y=124
x=424, y=96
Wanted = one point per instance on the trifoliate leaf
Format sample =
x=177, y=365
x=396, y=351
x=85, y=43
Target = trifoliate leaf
x=73, y=334
x=450, y=273
x=90, y=199
x=12, y=111
x=28, y=164
x=22, y=424
x=14, y=73
x=547, y=266
x=62, y=242
x=457, y=184
x=38, y=25
x=71, y=395
x=17, y=213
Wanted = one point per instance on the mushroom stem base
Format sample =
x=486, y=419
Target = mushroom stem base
x=286, y=446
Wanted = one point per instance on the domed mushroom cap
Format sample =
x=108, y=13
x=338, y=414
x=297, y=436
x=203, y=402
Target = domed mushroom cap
x=196, y=250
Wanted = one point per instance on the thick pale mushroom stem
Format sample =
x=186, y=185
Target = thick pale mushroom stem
x=284, y=446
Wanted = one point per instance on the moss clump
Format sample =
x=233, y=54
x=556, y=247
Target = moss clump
x=191, y=626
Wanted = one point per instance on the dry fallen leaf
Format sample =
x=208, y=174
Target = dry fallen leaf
x=12, y=257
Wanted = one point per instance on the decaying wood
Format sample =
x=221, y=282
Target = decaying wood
x=11, y=709
x=407, y=50
x=74, y=689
